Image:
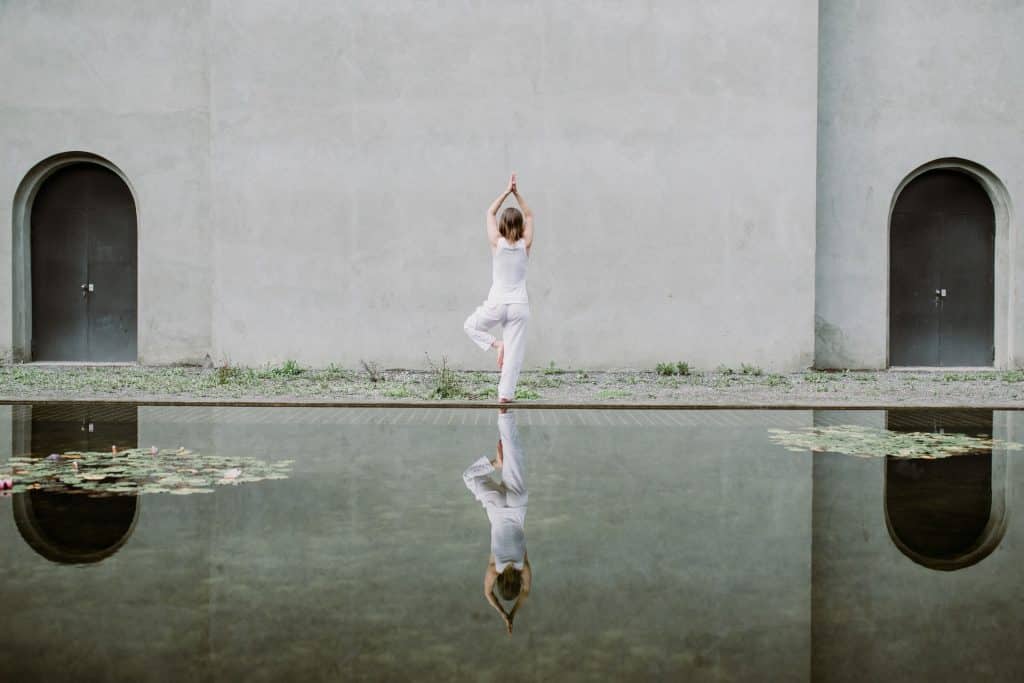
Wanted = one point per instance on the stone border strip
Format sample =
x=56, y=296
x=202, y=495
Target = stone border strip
x=523, y=405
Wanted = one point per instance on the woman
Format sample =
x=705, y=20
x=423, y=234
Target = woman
x=506, y=302
x=508, y=566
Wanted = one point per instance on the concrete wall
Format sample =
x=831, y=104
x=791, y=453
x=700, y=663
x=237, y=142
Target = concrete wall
x=668, y=150
x=313, y=180
x=900, y=85
x=127, y=81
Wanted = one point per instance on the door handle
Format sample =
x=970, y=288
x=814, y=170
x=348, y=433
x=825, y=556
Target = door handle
x=940, y=293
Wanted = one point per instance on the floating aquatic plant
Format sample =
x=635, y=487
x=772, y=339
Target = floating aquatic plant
x=871, y=442
x=136, y=471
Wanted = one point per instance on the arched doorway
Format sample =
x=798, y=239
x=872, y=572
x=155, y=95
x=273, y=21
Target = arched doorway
x=941, y=272
x=947, y=513
x=84, y=266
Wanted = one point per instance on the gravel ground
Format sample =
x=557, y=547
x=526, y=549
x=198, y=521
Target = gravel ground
x=289, y=382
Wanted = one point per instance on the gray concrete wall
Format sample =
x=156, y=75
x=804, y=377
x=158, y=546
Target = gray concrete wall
x=311, y=184
x=667, y=149
x=902, y=84
x=127, y=81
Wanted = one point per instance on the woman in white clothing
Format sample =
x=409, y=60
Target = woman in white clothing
x=508, y=566
x=507, y=302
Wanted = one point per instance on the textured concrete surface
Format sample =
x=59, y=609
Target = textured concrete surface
x=127, y=81
x=900, y=85
x=712, y=181
x=312, y=181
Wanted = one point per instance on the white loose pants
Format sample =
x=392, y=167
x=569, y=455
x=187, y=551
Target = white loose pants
x=513, y=319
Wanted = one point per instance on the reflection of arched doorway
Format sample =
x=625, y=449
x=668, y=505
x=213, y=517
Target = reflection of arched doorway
x=83, y=264
x=946, y=513
x=73, y=527
x=941, y=272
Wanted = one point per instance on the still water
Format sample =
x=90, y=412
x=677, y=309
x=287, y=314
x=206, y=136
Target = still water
x=355, y=544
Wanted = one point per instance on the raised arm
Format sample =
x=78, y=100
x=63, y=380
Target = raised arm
x=490, y=576
x=527, y=217
x=492, y=213
x=524, y=589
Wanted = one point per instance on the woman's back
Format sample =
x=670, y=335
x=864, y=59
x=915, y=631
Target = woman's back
x=508, y=273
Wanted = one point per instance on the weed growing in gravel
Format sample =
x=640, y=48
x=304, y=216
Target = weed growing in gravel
x=775, y=379
x=444, y=381
x=552, y=370
x=1013, y=376
x=679, y=368
x=289, y=368
x=373, y=371
x=724, y=370
x=750, y=369
x=606, y=394
x=479, y=393
x=398, y=391
x=334, y=371
x=816, y=377
x=524, y=393
x=542, y=382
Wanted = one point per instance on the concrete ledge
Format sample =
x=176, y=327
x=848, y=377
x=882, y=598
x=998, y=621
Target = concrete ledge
x=523, y=405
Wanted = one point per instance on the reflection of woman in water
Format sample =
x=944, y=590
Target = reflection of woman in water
x=508, y=566
x=506, y=302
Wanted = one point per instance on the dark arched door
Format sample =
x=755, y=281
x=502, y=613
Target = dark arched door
x=84, y=267
x=941, y=265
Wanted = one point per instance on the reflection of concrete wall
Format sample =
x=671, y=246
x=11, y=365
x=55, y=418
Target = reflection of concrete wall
x=140, y=614
x=659, y=552
x=877, y=615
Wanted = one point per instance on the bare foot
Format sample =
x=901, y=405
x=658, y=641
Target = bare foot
x=504, y=400
x=501, y=353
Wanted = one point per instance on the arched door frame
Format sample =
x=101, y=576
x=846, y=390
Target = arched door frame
x=21, y=256
x=1003, y=294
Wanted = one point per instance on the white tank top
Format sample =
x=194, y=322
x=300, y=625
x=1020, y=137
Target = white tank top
x=508, y=539
x=508, y=273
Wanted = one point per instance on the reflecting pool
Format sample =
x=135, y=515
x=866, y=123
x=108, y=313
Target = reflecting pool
x=434, y=544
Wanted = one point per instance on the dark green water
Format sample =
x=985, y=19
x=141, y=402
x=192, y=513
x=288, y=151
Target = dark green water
x=669, y=545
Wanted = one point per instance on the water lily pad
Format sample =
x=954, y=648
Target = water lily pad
x=873, y=442
x=180, y=471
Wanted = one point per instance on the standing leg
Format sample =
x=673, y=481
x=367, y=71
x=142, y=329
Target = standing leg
x=513, y=471
x=479, y=321
x=515, y=349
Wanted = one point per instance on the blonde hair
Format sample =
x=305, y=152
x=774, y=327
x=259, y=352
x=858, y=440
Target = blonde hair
x=511, y=225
